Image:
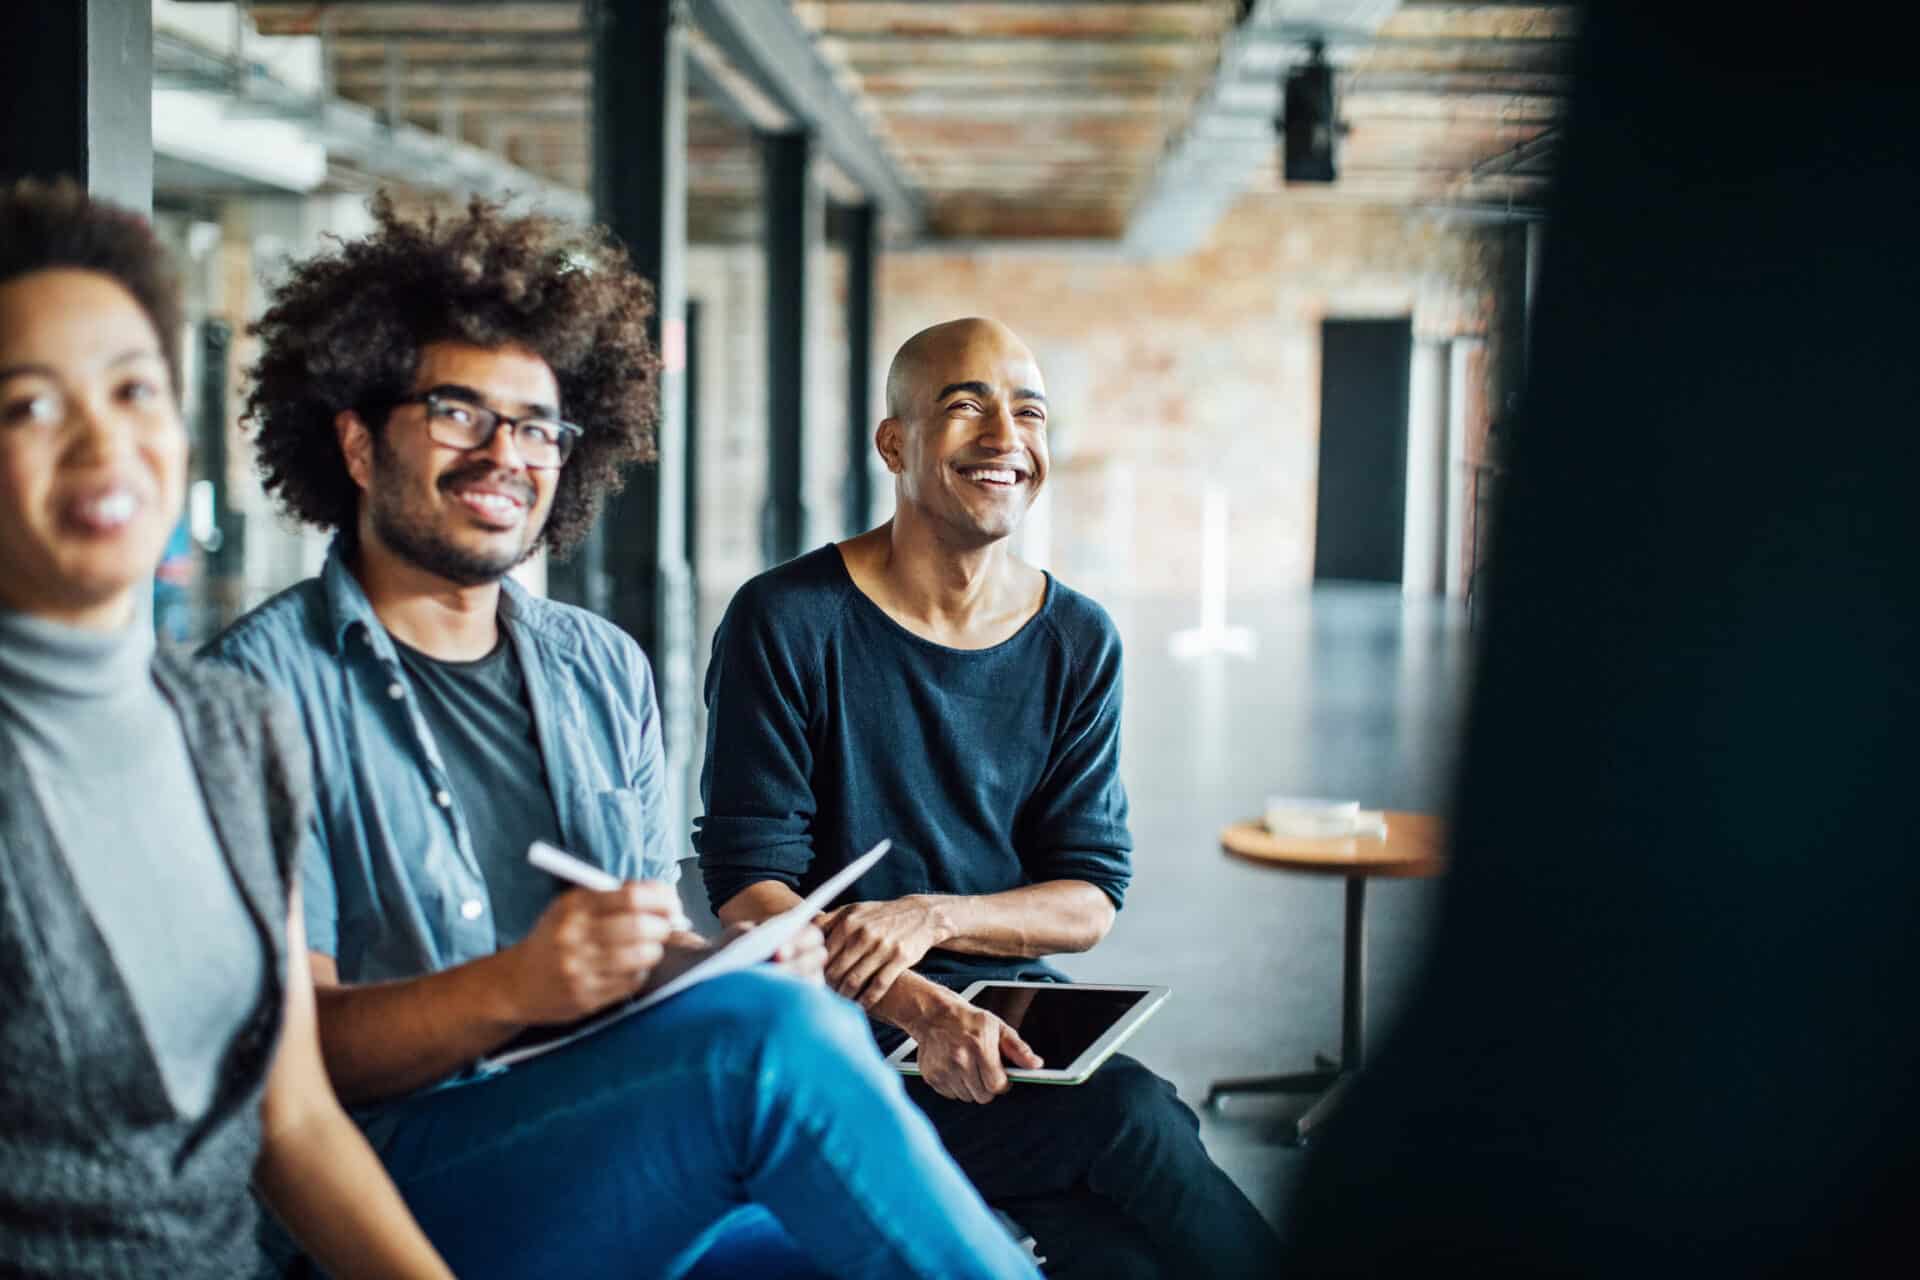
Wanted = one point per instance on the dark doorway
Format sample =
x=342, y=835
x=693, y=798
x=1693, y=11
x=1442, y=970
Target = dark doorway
x=1360, y=521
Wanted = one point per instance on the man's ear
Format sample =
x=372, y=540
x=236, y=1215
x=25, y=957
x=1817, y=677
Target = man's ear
x=887, y=439
x=356, y=446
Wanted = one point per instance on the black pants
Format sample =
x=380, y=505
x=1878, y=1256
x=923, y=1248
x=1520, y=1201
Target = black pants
x=1109, y=1176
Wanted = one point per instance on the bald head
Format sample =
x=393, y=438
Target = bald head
x=934, y=358
x=965, y=434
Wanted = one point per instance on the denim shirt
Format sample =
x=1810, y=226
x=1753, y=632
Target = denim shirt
x=390, y=882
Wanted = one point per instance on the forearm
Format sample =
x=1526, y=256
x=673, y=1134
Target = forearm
x=323, y=1181
x=387, y=1038
x=1031, y=921
x=912, y=1001
x=314, y=1168
x=759, y=901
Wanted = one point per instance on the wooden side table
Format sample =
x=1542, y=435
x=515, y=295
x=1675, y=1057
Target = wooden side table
x=1410, y=849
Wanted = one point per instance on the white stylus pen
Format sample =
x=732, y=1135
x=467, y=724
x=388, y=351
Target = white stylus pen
x=558, y=862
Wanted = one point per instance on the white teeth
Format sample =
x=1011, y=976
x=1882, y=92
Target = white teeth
x=113, y=508
x=494, y=504
x=992, y=476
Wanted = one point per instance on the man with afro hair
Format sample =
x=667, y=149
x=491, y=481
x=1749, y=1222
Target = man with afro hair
x=448, y=395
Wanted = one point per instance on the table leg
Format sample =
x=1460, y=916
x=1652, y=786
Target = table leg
x=1331, y=1082
x=1353, y=978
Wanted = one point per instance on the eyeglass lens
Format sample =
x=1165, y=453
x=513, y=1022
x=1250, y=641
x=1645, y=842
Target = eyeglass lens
x=541, y=442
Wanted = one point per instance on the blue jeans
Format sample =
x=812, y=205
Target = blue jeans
x=622, y=1154
x=1109, y=1176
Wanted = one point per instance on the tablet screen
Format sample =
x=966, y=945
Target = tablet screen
x=1059, y=1022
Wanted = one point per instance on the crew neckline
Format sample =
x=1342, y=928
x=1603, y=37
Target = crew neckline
x=873, y=607
x=492, y=655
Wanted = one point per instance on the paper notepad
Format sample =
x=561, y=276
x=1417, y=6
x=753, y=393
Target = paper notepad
x=756, y=946
x=1295, y=817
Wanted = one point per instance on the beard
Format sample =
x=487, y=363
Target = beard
x=417, y=537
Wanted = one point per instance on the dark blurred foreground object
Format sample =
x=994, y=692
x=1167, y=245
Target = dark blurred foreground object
x=1669, y=1021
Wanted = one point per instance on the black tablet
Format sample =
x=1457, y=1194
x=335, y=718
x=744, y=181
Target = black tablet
x=1073, y=1026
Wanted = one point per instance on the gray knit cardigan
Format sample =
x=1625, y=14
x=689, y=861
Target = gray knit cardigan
x=98, y=1176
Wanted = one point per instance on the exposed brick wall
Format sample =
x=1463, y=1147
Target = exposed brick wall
x=1167, y=376
x=730, y=284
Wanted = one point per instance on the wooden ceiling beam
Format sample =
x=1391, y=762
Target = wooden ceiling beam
x=776, y=51
x=438, y=42
x=469, y=79
x=882, y=85
x=1484, y=21
x=983, y=219
x=1544, y=84
x=347, y=70
x=1052, y=105
x=1054, y=21
x=807, y=7
x=980, y=171
x=312, y=19
x=1442, y=108
x=1057, y=138
x=880, y=42
x=1268, y=57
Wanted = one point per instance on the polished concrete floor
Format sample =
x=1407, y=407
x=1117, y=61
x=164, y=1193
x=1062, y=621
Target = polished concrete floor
x=1352, y=692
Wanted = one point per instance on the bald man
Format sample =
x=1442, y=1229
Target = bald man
x=921, y=682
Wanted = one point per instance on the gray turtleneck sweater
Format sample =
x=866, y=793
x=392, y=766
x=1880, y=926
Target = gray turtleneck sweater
x=111, y=770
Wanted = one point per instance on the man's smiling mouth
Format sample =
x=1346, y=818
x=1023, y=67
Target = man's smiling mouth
x=994, y=475
x=495, y=506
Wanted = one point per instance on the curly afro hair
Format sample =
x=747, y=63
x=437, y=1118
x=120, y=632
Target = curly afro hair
x=47, y=225
x=346, y=329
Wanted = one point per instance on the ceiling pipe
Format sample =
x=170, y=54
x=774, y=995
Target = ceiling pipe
x=392, y=150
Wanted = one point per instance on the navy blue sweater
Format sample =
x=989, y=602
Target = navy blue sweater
x=831, y=726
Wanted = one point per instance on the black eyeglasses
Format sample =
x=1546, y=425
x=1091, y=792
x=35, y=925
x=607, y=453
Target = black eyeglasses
x=543, y=443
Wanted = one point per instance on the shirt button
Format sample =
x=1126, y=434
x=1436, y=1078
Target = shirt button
x=395, y=692
x=443, y=799
x=471, y=909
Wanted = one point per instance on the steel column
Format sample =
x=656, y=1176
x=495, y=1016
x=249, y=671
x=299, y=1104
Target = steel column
x=81, y=71
x=793, y=212
x=690, y=453
x=860, y=229
x=635, y=570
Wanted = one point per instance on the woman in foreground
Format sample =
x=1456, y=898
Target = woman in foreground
x=157, y=1047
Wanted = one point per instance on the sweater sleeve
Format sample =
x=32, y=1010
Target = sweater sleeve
x=755, y=782
x=1075, y=825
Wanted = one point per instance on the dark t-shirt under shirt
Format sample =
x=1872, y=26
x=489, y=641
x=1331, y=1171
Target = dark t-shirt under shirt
x=831, y=726
x=482, y=723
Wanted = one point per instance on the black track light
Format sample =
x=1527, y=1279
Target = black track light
x=1309, y=125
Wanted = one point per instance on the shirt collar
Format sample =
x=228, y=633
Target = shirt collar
x=348, y=606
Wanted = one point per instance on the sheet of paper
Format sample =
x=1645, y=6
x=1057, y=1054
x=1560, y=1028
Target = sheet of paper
x=755, y=946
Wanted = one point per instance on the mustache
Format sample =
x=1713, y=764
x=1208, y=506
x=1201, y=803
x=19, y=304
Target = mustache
x=487, y=473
